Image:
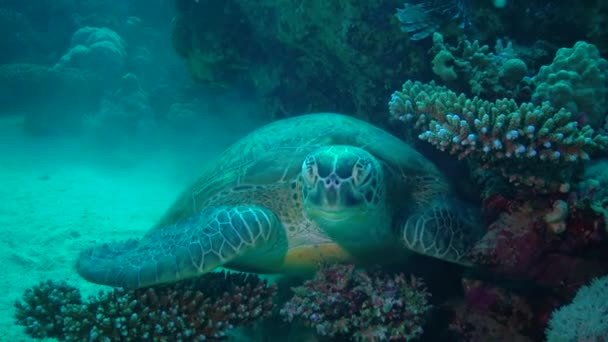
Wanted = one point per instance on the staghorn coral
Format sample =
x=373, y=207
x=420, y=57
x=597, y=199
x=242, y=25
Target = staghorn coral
x=201, y=309
x=343, y=302
x=527, y=144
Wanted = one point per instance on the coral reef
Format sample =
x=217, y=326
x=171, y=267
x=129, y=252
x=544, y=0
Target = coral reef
x=344, y=302
x=592, y=190
x=298, y=56
x=96, y=49
x=544, y=248
x=529, y=126
x=126, y=110
x=39, y=31
x=576, y=80
x=491, y=313
x=202, y=309
x=488, y=74
x=522, y=243
x=531, y=145
x=215, y=45
x=585, y=318
x=557, y=23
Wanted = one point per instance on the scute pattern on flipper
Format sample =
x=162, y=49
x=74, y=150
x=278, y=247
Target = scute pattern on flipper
x=212, y=237
x=440, y=232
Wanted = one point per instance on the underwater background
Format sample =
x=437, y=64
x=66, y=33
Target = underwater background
x=110, y=109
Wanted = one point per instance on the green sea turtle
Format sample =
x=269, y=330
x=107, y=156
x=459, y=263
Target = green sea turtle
x=296, y=192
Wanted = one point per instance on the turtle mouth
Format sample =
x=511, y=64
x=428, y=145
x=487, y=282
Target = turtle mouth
x=332, y=215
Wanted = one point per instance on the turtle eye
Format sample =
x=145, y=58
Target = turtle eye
x=310, y=171
x=362, y=172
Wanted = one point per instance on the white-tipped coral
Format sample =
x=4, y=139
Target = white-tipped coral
x=527, y=144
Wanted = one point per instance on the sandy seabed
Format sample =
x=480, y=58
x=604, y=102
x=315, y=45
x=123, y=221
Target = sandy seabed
x=58, y=196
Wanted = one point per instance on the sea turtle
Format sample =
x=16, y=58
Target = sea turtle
x=299, y=191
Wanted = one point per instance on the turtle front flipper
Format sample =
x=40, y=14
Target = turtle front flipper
x=208, y=239
x=445, y=230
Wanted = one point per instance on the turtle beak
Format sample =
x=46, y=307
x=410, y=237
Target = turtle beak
x=334, y=216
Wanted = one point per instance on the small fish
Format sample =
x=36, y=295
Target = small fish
x=423, y=18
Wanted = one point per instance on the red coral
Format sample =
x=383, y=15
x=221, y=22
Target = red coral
x=490, y=313
x=519, y=245
x=513, y=242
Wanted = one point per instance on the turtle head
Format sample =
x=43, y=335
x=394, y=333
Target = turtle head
x=343, y=187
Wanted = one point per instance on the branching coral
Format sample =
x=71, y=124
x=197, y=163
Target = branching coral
x=343, y=302
x=201, y=309
x=527, y=144
x=487, y=73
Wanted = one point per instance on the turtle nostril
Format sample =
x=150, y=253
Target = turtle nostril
x=332, y=182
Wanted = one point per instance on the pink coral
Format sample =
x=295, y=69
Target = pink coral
x=200, y=309
x=344, y=302
x=519, y=245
